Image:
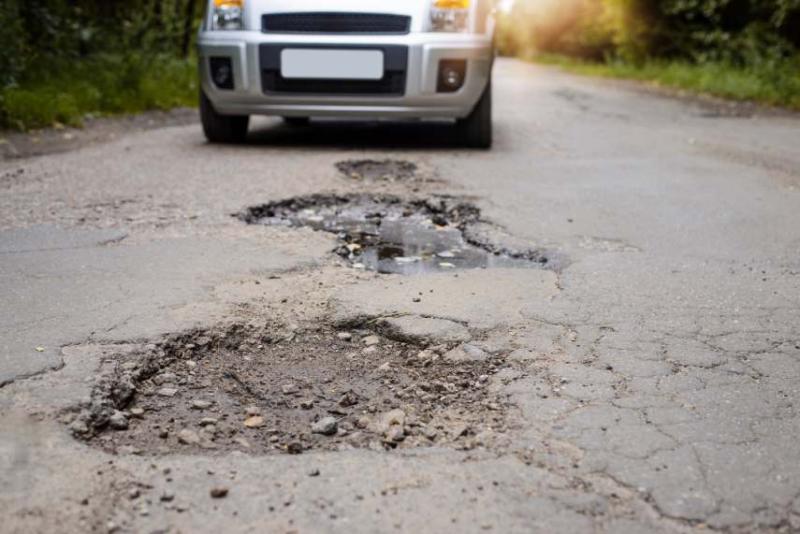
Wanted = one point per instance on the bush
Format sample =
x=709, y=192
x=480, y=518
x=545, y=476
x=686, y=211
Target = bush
x=106, y=84
x=742, y=32
x=12, y=43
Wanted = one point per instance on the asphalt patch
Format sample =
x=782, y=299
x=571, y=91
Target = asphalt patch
x=289, y=391
x=389, y=234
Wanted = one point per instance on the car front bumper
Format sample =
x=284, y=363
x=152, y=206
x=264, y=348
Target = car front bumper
x=420, y=98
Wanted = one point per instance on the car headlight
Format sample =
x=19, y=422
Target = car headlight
x=228, y=15
x=450, y=15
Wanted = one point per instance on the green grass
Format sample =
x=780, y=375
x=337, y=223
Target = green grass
x=774, y=84
x=66, y=93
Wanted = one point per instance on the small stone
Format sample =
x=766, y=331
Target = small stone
x=134, y=493
x=363, y=422
x=390, y=419
x=219, y=492
x=385, y=367
x=289, y=389
x=348, y=399
x=201, y=404
x=307, y=404
x=425, y=355
x=163, y=434
x=165, y=378
x=371, y=341
x=137, y=412
x=243, y=442
x=253, y=411
x=191, y=364
x=188, y=437
x=254, y=422
x=395, y=434
x=458, y=430
x=167, y=496
x=294, y=447
x=208, y=421
x=118, y=421
x=345, y=336
x=326, y=426
x=466, y=353
x=79, y=427
x=314, y=473
x=167, y=392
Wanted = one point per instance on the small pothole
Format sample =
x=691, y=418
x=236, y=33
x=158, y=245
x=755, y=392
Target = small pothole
x=271, y=392
x=388, y=170
x=388, y=234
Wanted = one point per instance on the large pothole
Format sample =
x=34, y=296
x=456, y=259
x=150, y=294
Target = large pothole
x=388, y=234
x=289, y=391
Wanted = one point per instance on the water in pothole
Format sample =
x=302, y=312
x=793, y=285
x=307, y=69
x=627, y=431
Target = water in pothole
x=390, y=235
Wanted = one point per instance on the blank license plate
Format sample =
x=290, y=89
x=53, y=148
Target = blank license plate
x=327, y=64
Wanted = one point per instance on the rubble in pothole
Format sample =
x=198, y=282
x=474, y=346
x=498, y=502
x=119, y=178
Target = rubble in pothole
x=272, y=391
x=388, y=234
x=388, y=170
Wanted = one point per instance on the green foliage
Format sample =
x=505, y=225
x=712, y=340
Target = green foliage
x=733, y=48
x=60, y=59
x=100, y=84
x=12, y=43
x=736, y=31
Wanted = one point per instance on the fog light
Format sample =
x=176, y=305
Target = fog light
x=222, y=72
x=452, y=73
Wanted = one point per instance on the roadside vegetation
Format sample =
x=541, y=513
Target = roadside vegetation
x=64, y=60
x=738, y=49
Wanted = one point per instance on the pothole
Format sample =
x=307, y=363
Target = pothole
x=270, y=392
x=389, y=234
x=388, y=170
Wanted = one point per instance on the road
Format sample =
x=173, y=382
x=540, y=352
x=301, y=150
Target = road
x=645, y=379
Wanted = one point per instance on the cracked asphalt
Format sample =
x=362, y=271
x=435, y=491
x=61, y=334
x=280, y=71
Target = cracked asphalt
x=651, y=383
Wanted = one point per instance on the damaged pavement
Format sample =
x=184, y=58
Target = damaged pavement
x=592, y=328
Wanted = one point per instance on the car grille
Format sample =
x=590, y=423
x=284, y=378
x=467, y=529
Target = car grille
x=393, y=83
x=364, y=23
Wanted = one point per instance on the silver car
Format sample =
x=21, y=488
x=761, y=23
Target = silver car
x=393, y=59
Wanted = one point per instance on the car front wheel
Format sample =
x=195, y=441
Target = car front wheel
x=222, y=128
x=475, y=131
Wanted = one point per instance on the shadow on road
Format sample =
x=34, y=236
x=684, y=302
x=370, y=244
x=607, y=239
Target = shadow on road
x=355, y=134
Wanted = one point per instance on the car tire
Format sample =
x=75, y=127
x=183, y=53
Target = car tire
x=297, y=121
x=475, y=131
x=222, y=128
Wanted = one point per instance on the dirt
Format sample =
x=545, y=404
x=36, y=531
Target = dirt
x=95, y=130
x=390, y=234
x=265, y=391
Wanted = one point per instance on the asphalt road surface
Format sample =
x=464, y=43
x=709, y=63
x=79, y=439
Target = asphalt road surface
x=158, y=355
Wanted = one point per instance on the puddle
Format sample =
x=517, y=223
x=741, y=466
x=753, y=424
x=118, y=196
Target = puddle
x=390, y=235
x=378, y=171
x=289, y=392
